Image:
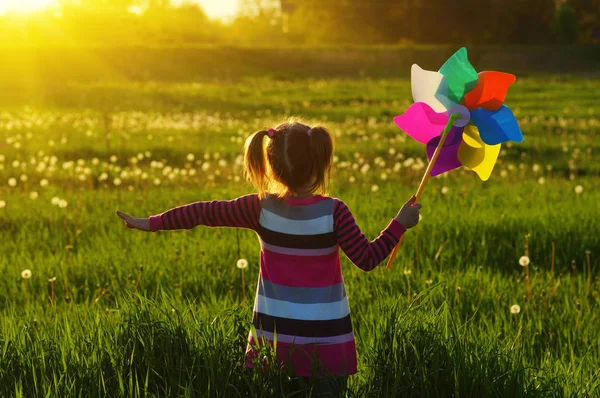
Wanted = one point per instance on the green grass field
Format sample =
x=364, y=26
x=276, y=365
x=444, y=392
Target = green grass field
x=167, y=314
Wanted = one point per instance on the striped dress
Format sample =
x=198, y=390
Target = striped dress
x=300, y=299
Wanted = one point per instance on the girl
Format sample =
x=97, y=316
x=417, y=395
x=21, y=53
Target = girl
x=300, y=299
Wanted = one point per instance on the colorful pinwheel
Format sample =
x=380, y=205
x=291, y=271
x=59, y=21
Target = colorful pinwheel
x=484, y=121
x=460, y=116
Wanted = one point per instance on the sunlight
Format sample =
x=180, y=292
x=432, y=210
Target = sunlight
x=24, y=6
x=219, y=9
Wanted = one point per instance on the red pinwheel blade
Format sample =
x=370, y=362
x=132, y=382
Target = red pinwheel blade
x=490, y=91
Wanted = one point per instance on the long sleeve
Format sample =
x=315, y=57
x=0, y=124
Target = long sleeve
x=364, y=254
x=242, y=212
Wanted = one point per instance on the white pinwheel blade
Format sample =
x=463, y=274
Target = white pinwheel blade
x=431, y=88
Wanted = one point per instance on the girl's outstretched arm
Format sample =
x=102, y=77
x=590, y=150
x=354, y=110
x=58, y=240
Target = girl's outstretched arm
x=364, y=254
x=242, y=212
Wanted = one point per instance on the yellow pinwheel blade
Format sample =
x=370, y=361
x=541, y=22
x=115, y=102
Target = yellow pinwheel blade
x=476, y=154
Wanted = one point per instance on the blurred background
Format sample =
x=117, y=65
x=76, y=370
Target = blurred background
x=267, y=22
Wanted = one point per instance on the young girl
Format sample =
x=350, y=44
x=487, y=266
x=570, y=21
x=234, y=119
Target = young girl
x=300, y=299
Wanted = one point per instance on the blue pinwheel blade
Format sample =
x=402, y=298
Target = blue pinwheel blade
x=496, y=127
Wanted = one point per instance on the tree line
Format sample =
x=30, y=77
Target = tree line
x=310, y=22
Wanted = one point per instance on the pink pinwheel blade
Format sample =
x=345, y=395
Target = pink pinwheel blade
x=448, y=157
x=421, y=122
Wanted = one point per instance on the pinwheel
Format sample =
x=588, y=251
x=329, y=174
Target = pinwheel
x=468, y=109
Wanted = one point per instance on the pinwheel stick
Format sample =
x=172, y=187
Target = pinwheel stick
x=444, y=134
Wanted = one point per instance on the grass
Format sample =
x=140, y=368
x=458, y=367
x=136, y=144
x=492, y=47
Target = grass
x=140, y=314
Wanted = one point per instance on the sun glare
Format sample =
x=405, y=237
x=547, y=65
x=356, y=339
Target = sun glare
x=219, y=9
x=24, y=6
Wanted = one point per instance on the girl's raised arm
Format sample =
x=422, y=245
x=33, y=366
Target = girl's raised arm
x=364, y=254
x=242, y=212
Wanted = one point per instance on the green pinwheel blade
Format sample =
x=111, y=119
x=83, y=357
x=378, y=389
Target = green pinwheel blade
x=459, y=74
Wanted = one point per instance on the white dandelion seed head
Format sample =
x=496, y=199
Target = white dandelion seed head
x=43, y=182
x=117, y=181
x=63, y=203
x=578, y=189
x=375, y=188
x=26, y=274
x=524, y=261
x=12, y=182
x=2, y=204
x=515, y=309
x=33, y=195
x=445, y=190
x=242, y=263
x=55, y=200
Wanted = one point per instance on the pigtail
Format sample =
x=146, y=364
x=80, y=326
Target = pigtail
x=321, y=148
x=255, y=168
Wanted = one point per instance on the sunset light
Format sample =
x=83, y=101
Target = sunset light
x=24, y=6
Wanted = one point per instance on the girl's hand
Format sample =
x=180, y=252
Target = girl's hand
x=143, y=224
x=409, y=213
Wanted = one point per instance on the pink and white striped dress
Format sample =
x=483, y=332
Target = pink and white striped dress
x=300, y=298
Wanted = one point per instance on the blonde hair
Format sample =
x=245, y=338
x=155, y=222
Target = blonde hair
x=294, y=155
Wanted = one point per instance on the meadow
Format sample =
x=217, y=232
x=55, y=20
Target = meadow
x=89, y=307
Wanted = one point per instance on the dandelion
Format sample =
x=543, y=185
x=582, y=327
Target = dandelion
x=43, y=182
x=578, y=189
x=12, y=182
x=524, y=261
x=2, y=204
x=383, y=176
x=62, y=204
x=515, y=309
x=190, y=157
x=242, y=263
x=445, y=190
x=15, y=164
x=55, y=200
x=33, y=195
x=352, y=179
x=26, y=274
x=117, y=181
x=156, y=181
x=113, y=158
x=541, y=180
x=375, y=188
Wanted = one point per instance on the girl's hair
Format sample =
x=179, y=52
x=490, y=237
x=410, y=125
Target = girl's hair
x=292, y=159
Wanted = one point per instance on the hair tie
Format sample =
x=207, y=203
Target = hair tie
x=271, y=132
x=309, y=132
